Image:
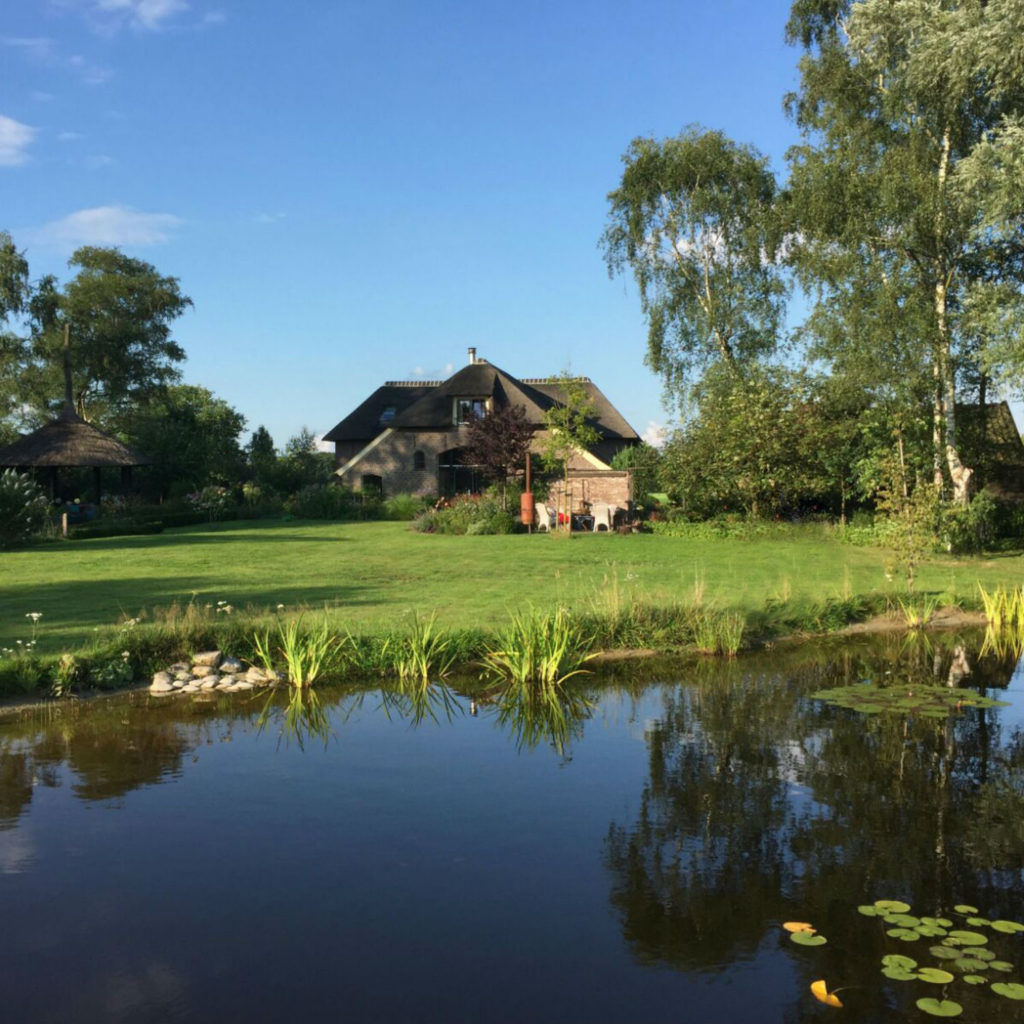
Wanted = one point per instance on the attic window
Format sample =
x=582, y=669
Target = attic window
x=387, y=414
x=466, y=409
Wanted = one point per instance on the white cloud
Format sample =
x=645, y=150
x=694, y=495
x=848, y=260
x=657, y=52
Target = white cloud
x=268, y=218
x=94, y=163
x=15, y=138
x=37, y=48
x=655, y=435
x=43, y=51
x=69, y=136
x=150, y=15
x=106, y=225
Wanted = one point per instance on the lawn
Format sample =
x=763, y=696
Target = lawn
x=375, y=574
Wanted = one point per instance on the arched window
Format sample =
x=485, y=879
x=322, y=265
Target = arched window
x=371, y=483
x=419, y=460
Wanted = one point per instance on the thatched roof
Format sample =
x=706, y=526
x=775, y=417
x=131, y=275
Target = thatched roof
x=69, y=441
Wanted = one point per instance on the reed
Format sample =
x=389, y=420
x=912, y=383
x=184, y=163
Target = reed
x=917, y=616
x=425, y=651
x=541, y=647
x=307, y=654
x=715, y=631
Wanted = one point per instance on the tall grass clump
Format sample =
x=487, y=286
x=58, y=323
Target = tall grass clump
x=917, y=616
x=307, y=654
x=1004, y=608
x=424, y=651
x=540, y=647
x=715, y=631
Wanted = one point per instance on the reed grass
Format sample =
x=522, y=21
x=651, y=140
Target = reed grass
x=425, y=651
x=918, y=615
x=307, y=654
x=540, y=647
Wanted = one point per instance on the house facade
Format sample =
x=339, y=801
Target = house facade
x=409, y=436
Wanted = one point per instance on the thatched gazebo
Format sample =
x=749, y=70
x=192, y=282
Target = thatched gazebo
x=68, y=442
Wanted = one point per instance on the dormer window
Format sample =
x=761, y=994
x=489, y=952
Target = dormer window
x=467, y=409
x=387, y=414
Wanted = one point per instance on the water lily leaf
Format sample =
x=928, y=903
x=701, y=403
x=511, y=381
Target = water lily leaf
x=940, y=1007
x=966, y=938
x=931, y=931
x=892, y=906
x=982, y=954
x=937, y=922
x=969, y=963
x=903, y=920
x=898, y=960
x=807, y=939
x=1000, y=965
x=1007, y=927
x=975, y=979
x=903, y=934
x=978, y=922
x=899, y=974
x=935, y=975
x=868, y=911
x=965, y=908
x=945, y=952
x=1010, y=989
x=798, y=926
x=821, y=993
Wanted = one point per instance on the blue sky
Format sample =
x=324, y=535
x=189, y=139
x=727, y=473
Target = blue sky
x=355, y=192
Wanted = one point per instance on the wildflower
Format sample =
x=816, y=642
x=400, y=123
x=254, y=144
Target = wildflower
x=280, y=607
x=34, y=616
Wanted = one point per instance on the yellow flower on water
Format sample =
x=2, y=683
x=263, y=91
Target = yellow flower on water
x=820, y=992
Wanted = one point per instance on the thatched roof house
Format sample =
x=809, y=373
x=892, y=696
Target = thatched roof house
x=408, y=435
x=68, y=442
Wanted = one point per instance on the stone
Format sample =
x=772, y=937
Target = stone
x=191, y=688
x=183, y=674
x=210, y=682
x=203, y=670
x=222, y=685
x=178, y=666
x=211, y=659
x=256, y=675
x=156, y=687
x=178, y=684
x=242, y=684
x=163, y=677
x=231, y=666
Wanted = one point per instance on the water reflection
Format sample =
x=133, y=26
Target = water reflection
x=299, y=715
x=761, y=805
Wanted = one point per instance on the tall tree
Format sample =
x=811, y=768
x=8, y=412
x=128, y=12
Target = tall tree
x=14, y=291
x=693, y=220
x=908, y=187
x=120, y=311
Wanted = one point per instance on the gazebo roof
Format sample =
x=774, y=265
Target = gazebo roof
x=69, y=441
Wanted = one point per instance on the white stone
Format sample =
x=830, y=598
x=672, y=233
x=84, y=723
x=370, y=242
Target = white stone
x=178, y=684
x=178, y=666
x=210, y=659
x=210, y=682
x=191, y=688
x=161, y=688
x=242, y=684
x=203, y=670
x=162, y=677
x=231, y=666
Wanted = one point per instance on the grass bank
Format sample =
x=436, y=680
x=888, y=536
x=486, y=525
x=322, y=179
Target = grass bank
x=369, y=578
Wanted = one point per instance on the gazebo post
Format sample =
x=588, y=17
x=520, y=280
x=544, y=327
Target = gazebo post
x=97, y=474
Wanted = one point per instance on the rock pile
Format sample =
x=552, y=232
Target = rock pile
x=209, y=671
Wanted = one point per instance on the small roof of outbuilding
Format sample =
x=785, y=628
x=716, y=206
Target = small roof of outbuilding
x=69, y=441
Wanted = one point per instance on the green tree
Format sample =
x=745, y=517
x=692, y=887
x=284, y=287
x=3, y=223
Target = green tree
x=693, y=219
x=568, y=429
x=913, y=118
x=645, y=462
x=192, y=437
x=498, y=443
x=14, y=292
x=120, y=311
x=261, y=456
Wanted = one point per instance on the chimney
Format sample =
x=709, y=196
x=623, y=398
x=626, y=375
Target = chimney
x=472, y=356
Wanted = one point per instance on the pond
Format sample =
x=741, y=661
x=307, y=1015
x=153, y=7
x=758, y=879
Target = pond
x=458, y=856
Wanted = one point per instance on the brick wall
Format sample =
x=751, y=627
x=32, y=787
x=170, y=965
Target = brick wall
x=590, y=486
x=393, y=461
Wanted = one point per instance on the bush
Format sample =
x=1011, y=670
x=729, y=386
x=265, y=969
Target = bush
x=23, y=508
x=970, y=529
x=468, y=514
x=403, y=507
x=329, y=501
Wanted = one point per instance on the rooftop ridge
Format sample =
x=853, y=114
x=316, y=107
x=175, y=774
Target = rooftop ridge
x=413, y=383
x=553, y=380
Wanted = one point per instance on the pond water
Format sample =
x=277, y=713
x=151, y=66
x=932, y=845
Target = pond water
x=467, y=857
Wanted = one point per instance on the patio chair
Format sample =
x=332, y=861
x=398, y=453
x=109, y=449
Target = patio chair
x=604, y=515
x=545, y=516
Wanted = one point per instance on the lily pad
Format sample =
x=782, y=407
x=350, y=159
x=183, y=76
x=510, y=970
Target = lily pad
x=931, y=931
x=1009, y=989
x=1007, y=927
x=940, y=1007
x=903, y=934
x=969, y=963
x=930, y=701
x=965, y=938
x=965, y=908
x=868, y=911
x=892, y=906
x=903, y=920
x=937, y=922
x=975, y=979
x=935, y=975
x=899, y=974
x=980, y=953
x=945, y=952
x=1000, y=965
x=898, y=960
x=978, y=922
x=807, y=939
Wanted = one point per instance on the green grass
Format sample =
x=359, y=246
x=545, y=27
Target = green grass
x=372, y=576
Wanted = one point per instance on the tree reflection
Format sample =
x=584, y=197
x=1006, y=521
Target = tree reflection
x=760, y=805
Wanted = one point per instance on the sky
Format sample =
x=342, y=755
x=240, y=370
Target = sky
x=354, y=192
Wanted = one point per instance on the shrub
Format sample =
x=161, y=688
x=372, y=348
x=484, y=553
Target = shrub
x=468, y=514
x=329, y=501
x=23, y=508
x=403, y=507
x=971, y=528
